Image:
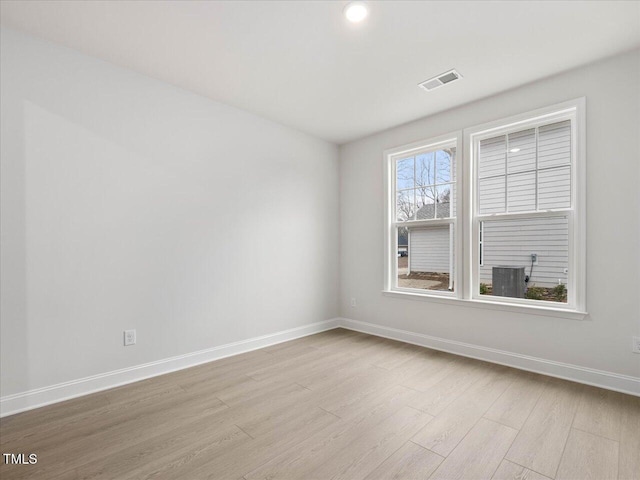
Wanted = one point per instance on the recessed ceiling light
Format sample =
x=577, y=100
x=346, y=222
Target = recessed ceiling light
x=356, y=12
x=514, y=150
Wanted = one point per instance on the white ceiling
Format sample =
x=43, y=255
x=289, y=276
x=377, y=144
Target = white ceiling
x=302, y=64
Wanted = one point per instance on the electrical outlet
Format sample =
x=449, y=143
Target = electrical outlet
x=635, y=348
x=353, y=302
x=129, y=337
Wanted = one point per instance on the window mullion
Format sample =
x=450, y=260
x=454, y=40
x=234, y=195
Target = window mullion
x=531, y=214
x=425, y=223
x=506, y=174
x=536, y=186
x=415, y=200
x=435, y=189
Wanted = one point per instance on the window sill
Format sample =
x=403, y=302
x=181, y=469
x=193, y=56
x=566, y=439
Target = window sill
x=505, y=307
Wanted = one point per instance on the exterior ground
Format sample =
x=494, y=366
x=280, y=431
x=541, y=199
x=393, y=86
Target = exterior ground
x=420, y=280
x=440, y=281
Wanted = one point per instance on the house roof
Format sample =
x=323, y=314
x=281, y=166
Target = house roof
x=426, y=211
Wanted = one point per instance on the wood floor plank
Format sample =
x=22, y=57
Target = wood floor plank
x=516, y=403
x=289, y=428
x=164, y=451
x=511, y=471
x=392, y=354
x=541, y=440
x=337, y=339
x=94, y=442
x=588, y=457
x=100, y=419
x=224, y=366
x=291, y=365
x=177, y=459
x=435, y=399
x=352, y=391
x=600, y=412
x=211, y=382
x=291, y=348
x=141, y=391
x=311, y=367
x=334, y=378
x=444, y=432
x=479, y=454
x=261, y=423
x=394, y=397
x=430, y=371
x=251, y=455
x=410, y=462
x=26, y=423
x=258, y=412
x=264, y=412
x=350, y=451
x=629, y=461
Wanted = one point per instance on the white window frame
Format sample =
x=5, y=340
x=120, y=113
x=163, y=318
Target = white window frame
x=391, y=225
x=480, y=240
x=467, y=218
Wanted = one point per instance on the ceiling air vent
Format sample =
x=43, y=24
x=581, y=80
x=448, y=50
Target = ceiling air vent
x=440, y=80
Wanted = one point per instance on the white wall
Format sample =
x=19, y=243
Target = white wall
x=129, y=203
x=603, y=340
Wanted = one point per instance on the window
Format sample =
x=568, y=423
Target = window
x=423, y=216
x=520, y=221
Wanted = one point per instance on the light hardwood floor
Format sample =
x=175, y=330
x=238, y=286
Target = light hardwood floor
x=336, y=405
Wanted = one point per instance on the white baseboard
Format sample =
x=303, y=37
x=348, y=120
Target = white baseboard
x=40, y=397
x=575, y=373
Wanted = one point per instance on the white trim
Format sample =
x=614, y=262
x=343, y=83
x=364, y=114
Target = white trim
x=432, y=143
x=39, y=397
x=391, y=225
x=543, y=308
x=452, y=247
x=436, y=222
x=575, y=111
x=566, y=371
x=467, y=217
x=519, y=215
x=539, y=116
x=480, y=240
x=579, y=196
x=20, y=402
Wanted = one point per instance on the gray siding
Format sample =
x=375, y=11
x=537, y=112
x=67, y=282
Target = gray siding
x=526, y=171
x=429, y=250
x=511, y=243
x=505, y=243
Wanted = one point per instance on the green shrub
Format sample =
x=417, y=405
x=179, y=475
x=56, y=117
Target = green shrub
x=534, y=293
x=484, y=289
x=560, y=292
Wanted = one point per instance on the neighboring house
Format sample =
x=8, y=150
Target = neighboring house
x=504, y=243
x=511, y=243
x=429, y=247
